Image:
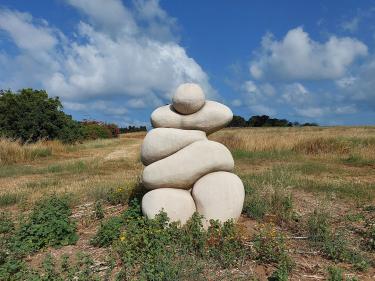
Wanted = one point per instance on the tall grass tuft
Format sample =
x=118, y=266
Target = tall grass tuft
x=13, y=151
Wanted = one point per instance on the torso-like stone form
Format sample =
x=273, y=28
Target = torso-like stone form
x=188, y=99
x=212, y=117
x=177, y=203
x=184, y=171
x=183, y=168
x=162, y=142
x=219, y=196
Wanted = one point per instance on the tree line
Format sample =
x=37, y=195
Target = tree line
x=31, y=115
x=264, y=121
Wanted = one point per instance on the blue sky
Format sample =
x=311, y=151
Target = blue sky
x=112, y=60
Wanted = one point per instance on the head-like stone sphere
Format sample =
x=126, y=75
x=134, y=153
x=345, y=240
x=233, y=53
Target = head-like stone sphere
x=188, y=98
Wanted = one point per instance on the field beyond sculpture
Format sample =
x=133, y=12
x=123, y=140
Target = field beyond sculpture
x=310, y=197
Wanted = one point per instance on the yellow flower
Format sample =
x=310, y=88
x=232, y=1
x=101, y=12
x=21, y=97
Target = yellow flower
x=122, y=238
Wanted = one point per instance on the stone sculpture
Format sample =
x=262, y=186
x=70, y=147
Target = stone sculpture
x=185, y=172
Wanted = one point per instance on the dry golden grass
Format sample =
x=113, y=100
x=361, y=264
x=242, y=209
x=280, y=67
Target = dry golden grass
x=314, y=154
x=82, y=169
x=308, y=140
x=13, y=151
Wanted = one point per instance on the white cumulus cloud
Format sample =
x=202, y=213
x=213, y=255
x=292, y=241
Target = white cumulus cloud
x=114, y=53
x=297, y=56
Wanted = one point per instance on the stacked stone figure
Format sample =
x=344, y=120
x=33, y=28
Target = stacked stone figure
x=185, y=172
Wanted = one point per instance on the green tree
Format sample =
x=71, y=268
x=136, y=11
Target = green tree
x=237, y=121
x=30, y=115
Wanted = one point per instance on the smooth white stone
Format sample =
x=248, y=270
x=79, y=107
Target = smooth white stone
x=210, y=118
x=183, y=168
x=188, y=98
x=162, y=142
x=219, y=196
x=177, y=203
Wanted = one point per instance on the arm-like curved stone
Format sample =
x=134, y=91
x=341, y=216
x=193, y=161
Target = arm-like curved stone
x=210, y=118
x=162, y=142
x=177, y=203
x=219, y=196
x=183, y=168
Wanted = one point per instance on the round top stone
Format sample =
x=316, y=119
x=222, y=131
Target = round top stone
x=188, y=98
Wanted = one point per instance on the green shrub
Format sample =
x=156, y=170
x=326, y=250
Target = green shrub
x=79, y=269
x=333, y=244
x=225, y=245
x=6, y=224
x=318, y=226
x=369, y=236
x=98, y=210
x=270, y=247
x=155, y=249
x=108, y=232
x=255, y=206
x=280, y=274
x=48, y=224
x=30, y=115
x=337, y=274
x=277, y=202
x=96, y=131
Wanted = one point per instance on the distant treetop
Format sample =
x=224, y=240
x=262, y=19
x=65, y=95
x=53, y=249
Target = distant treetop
x=264, y=121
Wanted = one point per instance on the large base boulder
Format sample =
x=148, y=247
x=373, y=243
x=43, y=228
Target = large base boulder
x=177, y=203
x=219, y=196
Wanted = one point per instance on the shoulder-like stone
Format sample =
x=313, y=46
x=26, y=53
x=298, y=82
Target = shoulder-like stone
x=183, y=168
x=162, y=142
x=219, y=196
x=188, y=98
x=177, y=203
x=210, y=118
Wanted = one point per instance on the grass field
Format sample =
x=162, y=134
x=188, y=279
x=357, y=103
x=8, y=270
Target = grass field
x=310, y=197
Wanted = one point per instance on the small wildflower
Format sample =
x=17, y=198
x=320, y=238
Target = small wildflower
x=122, y=238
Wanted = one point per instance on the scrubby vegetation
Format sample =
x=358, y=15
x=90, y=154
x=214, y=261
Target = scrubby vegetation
x=308, y=212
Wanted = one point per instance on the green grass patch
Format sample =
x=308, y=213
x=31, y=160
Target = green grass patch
x=41, y=153
x=75, y=167
x=275, y=201
x=8, y=199
x=18, y=170
x=239, y=154
x=337, y=274
x=333, y=243
x=312, y=168
x=284, y=177
x=357, y=161
x=117, y=193
x=42, y=184
x=72, y=167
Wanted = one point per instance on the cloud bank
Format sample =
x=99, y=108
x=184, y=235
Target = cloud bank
x=298, y=57
x=128, y=54
x=310, y=80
